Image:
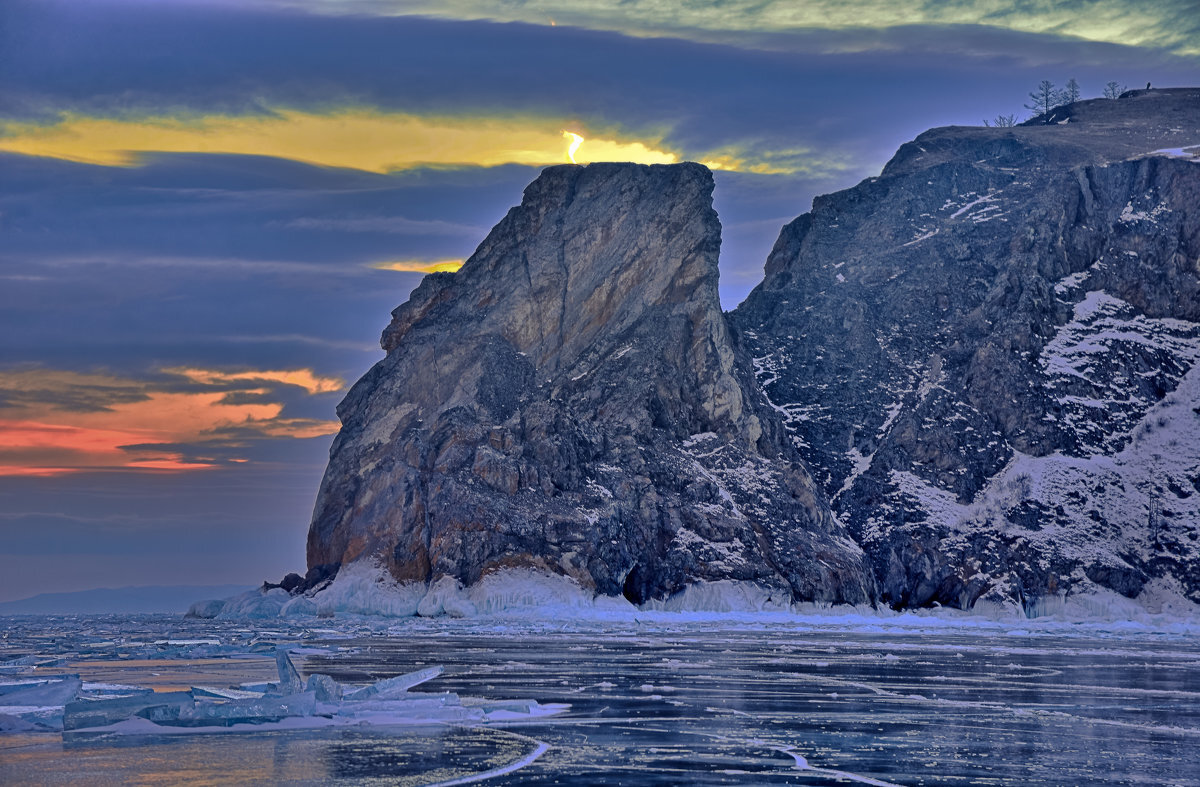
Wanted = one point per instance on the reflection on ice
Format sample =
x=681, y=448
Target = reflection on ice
x=665, y=699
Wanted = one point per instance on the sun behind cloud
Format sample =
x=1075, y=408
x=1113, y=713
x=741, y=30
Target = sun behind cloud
x=419, y=266
x=362, y=139
x=372, y=141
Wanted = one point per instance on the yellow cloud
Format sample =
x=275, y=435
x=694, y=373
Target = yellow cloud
x=749, y=158
x=369, y=140
x=304, y=378
x=419, y=266
x=356, y=138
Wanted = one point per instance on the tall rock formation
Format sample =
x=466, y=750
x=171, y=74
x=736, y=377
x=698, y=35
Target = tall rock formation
x=988, y=354
x=572, y=400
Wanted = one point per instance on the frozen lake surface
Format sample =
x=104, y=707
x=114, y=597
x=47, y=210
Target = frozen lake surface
x=668, y=699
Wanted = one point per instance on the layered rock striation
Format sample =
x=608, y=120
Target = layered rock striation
x=573, y=401
x=988, y=355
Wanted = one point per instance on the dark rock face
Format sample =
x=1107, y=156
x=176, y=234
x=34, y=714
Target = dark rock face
x=988, y=354
x=573, y=400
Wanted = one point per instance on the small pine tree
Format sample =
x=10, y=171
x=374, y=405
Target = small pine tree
x=1071, y=93
x=1044, y=99
x=1113, y=90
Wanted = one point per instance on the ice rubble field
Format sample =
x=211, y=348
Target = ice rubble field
x=66, y=704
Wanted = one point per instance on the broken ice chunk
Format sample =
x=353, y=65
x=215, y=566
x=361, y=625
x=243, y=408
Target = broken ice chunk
x=394, y=687
x=99, y=713
x=289, y=678
x=214, y=692
x=20, y=664
x=326, y=688
x=262, y=710
x=17, y=723
x=8, y=688
x=511, y=706
x=46, y=693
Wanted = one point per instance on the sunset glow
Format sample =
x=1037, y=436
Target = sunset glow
x=419, y=266
x=354, y=138
x=130, y=425
x=576, y=141
x=304, y=378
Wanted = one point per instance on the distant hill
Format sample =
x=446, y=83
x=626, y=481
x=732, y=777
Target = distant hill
x=145, y=599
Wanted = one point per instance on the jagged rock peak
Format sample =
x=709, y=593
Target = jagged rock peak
x=572, y=400
x=588, y=252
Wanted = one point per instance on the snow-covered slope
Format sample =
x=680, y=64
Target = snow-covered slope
x=987, y=356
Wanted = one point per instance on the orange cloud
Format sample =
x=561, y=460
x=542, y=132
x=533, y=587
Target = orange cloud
x=30, y=448
x=74, y=422
x=304, y=378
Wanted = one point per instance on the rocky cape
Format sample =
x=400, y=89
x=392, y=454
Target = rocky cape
x=970, y=378
x=573, y=401
x=988, y=355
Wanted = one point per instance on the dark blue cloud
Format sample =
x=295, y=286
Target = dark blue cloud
x=109, y=57
x=203, y=260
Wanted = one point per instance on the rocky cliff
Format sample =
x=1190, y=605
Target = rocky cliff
x=988, y=355
x=573, y=401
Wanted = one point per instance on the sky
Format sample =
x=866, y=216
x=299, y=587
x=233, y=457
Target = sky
x=209, y=208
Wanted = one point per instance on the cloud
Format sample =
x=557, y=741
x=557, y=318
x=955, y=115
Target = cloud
x=781, y=77
x=419, y=266
x=30, y=448
x=382, y=143
x=395, y=225
x=55, y=422
x=60, y=389
x=1162, y=24
x=304, y=378
x=295, y=338
x=354, y=138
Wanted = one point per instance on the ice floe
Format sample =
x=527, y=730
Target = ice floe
x=289, y=702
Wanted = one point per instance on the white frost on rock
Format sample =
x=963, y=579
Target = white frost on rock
x=725, y=596
x=522, y=589
x=251, y=604
x=367, y=589
x=1129, y=214
x=938, y=505
x=1105, y=510
x=1187, y=152
x=445, y=597
x=1092, y=365
x=1071, y=282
